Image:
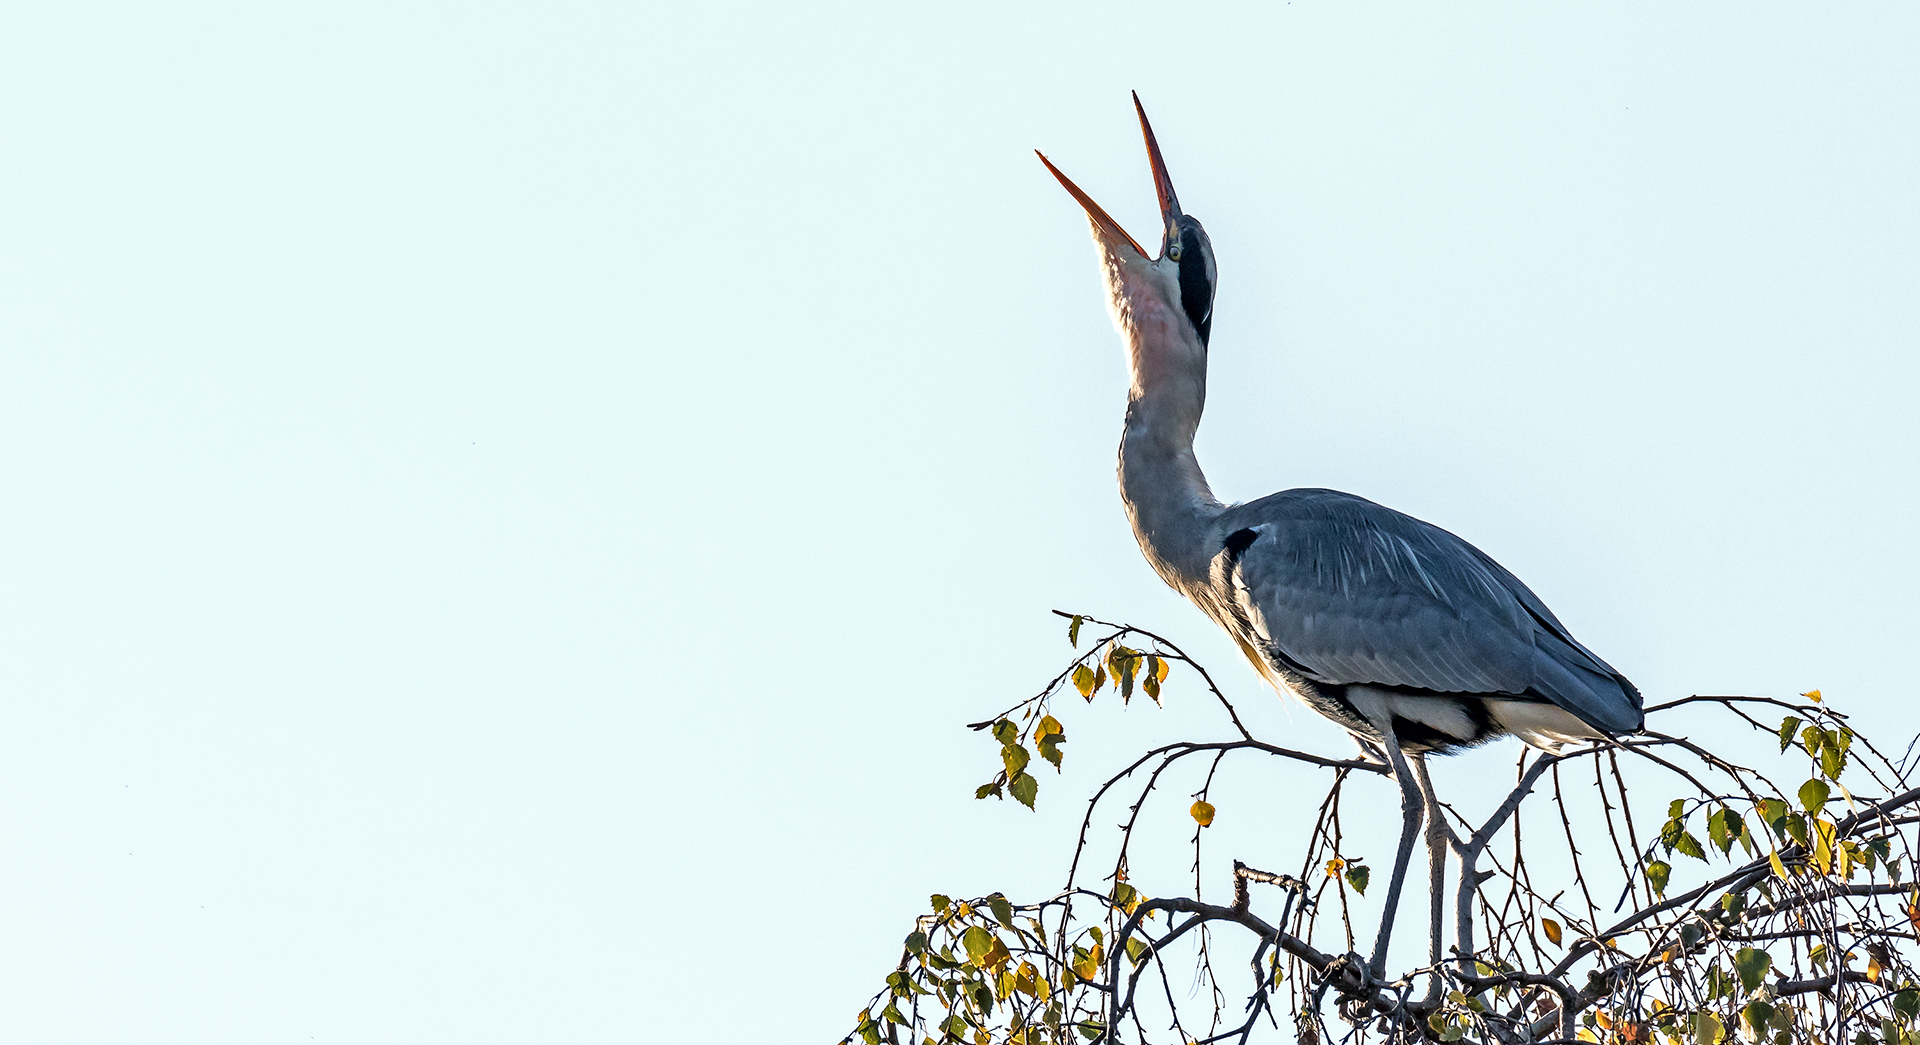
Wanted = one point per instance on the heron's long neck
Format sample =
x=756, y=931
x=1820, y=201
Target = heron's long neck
x=1166, y=494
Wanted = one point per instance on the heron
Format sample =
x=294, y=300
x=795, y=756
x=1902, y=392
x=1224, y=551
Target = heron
x=1403, y=634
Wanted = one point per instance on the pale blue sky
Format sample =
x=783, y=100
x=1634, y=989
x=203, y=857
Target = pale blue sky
x=509, y=506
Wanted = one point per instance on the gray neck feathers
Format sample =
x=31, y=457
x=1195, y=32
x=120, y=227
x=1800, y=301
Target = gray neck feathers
x=1168, y=501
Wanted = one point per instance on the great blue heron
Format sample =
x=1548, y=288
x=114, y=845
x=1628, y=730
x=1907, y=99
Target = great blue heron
x=1408, y=637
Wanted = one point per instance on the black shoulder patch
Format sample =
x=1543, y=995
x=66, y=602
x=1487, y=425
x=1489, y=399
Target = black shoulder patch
x=1238, y=542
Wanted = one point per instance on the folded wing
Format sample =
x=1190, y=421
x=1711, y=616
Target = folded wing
x=1345, y=591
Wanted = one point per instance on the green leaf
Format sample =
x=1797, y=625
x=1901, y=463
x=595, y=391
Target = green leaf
x=1657, y=874
x=1690, y=846
x=1675, y=808
x=1706, y=1028
x=1050, y=750
x=1811, y=739
x=991, y=787
x=1797, y=828
x=1814, y=794
x=1002, y=909
x=1357, y=877
x=941, y=903
x=916, y=941
x=1717, y=831
x=1006, y=732
x=1136, y=948
x=1073, y=634
x=1024, y=788
x=1773, y=811
x=1833, y=761
x=893, y=1015
x=1691, y=934
x=1788, y=727
x=1016, y=758
x=1752, y=965
x=1907, y=1003
x=1757, y=1015
x=977, y=940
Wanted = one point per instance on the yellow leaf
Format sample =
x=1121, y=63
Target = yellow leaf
x=1203, y=812
x=1823, y=838
x=1552, y=929
x=1779, y=869
x=1333, y=867
x=1813, y=695
x=1083, y=680
x=996, y=956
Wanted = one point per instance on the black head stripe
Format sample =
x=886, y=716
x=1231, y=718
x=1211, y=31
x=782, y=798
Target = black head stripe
x=1196, y=290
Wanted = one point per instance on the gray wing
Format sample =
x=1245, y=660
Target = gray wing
x=1346, y=591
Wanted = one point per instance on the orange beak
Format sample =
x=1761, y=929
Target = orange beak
x=1162, y=184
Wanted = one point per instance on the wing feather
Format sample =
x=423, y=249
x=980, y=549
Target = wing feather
x=1350, y=592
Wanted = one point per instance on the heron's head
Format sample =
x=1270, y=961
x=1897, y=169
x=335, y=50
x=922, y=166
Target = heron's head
x=1163, y=302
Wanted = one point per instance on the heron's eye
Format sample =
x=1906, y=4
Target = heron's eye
x=1173, y=250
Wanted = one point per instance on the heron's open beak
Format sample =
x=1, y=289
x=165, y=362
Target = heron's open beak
x=1162, y=184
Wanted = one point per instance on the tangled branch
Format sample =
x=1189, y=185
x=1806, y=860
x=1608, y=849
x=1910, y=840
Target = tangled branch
x=1805, y=934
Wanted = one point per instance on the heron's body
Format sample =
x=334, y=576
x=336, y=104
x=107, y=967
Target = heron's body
x=1397, y=630
x=1371, y=617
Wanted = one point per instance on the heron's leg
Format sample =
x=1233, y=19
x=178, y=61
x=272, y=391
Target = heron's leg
x=1439, y=837
x=1410, y=809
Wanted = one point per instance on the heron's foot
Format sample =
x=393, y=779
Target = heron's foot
x=1348, y=975
x=1371, y=751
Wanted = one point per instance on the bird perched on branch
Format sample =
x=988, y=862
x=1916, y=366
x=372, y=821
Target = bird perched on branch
x=1410, y=638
